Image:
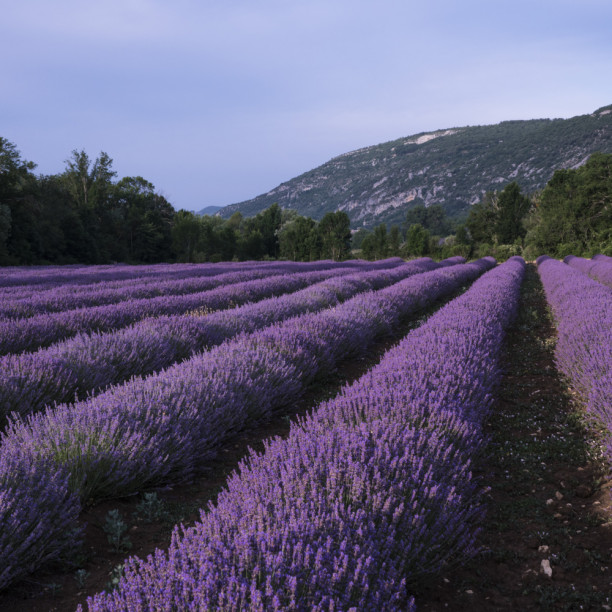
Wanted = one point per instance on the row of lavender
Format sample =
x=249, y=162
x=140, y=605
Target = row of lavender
x=45, y=329
x=65, y=297
x=73, y=284
x=46, y=276
x=599, y=268
x=162, y=428
x=88, y=362
x=582, y=309
x=367, y=496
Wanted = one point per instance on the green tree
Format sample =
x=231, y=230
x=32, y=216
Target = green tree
x=573, y=214
x=186, y=234
x=417, y=241
x=395, y=239
x=298, y=239
x=269, y=222
x=357, y=238
x=5, y=230
x=368, y=247
x=89, y=183
x=482, y=219
x=335, y=235
x=381, y=243
x=147, y=219
x=432, y=218
x=512, y=206
x=19, y=214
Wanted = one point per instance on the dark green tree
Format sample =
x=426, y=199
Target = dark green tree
x=368, y=247
x=512, y=206
x=573, y=215
x=335, y=235
x=482, y=219
x=395, y=240
x=417, y=241
x=357, y=237
x=298, y=239
x=269, y=223
x=186, y=235
x=381, y=242
x=89, y=183
x=147, y=219
x=19, y=231
x=432, y=218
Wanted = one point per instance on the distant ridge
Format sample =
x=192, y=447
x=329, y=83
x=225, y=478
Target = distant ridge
x=209, y=210
x=451, y=167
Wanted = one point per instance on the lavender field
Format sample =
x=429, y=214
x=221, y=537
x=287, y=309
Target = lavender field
x=126, y=382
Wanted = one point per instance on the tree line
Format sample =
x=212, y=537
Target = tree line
x=572, y=215
x=86, y=214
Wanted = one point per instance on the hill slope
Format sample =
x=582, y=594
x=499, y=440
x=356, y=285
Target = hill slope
x=451, y=167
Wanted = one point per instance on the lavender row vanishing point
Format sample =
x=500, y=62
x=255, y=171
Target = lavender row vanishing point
x=160, y=429
x=89, y=362
x=367, y=496
x=43, y=276
x=73, y=283
x=43, y=330
x=65, y=297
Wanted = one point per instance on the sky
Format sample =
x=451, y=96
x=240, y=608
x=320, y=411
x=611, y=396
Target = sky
x=216, y=102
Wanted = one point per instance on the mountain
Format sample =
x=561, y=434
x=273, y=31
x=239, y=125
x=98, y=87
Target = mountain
x=209, y=210
x=451, y=167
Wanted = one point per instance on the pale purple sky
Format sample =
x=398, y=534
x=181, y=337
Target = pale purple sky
x=218, y=102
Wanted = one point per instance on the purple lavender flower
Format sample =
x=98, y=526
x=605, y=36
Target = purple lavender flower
x=582, y=309
x=365, y=497
x=88, y=362
x=599, y=268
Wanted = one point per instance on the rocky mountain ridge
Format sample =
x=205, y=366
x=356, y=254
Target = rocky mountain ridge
x=452, y=167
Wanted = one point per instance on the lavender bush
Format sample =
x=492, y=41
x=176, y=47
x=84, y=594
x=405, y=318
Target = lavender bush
x=160, y=429
x=88, y=362
x=43, y=330
x=38, y=517
x=599, y=268
x=52, y=276
x=582, y=308
x=71, y=297
x=365, y=497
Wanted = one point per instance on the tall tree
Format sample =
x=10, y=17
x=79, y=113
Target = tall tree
x=18, y=228
x=269, y=222
x=395, y=239
x=482, y=219
x=512, y=206
x=335, y=235
x=298, y=239
x=417, y=241
x=432, y=218
x=381, y=243
x=89, y=183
